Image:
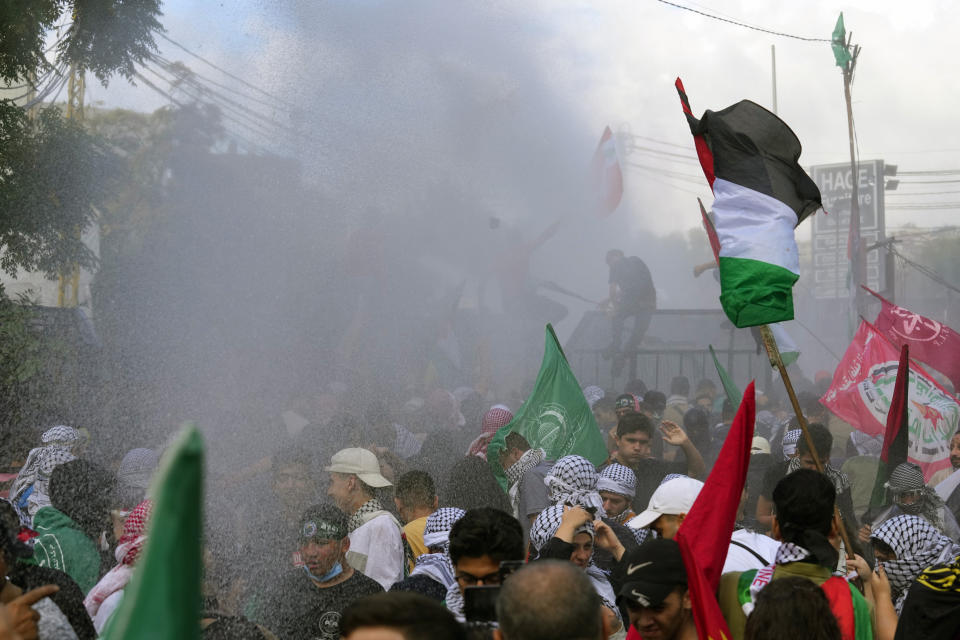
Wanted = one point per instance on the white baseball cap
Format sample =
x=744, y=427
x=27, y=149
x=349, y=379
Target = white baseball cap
x=673, y=497
x=361, y=463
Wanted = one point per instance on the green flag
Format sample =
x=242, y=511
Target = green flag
x=163, y=599
x=556, y=416
x=729, y=386
x=839, y=44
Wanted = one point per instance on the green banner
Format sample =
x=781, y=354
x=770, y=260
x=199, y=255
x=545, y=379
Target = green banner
x=839, y=44
x=163, y=599
x=729, y=386
x=556, y=416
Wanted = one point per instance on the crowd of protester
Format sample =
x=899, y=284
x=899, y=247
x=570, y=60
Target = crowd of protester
x=390, y=523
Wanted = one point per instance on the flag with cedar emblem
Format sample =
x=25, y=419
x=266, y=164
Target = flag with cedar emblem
x=606, y=174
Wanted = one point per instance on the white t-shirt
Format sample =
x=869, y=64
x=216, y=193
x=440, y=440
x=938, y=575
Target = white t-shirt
x=739, y=559
x=376, y=550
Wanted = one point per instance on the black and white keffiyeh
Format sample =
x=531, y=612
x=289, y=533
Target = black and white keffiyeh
x=41, y=461
x=363, y=514
x=436, y=533
x=438, y=567
x=618, y=479
x=839, y=479
x=546, y=524
x=672, y=476
x=789, y=443
x=530, y=459
x=545, y=527
x=790, y=552
x=573, y=481
x=918, y=544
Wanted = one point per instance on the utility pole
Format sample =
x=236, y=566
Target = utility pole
x=773, y=70
x=71, y=280
x=846, y=55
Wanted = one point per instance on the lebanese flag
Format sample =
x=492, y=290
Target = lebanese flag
x=749, y=156
x=930, y=341
x=863, y=388
x=606, y=174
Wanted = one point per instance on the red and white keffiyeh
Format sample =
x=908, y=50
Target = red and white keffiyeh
x=128, y=548
x=498, y=416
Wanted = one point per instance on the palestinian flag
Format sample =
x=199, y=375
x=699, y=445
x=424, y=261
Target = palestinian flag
x=749, y=156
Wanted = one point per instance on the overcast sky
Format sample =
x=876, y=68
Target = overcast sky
x=614, y=63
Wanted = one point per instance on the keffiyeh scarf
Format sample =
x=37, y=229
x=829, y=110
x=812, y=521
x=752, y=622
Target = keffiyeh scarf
x=573, y=481
x=438, y=567
x=436, y=533
x=545, y=527
x=789, y=442
x=498, y=416
x=918, y=544
x=364, y=514
x=514, y=474
x=128, y=548
x=618, y=479
x=41, y=461
x=839, y=479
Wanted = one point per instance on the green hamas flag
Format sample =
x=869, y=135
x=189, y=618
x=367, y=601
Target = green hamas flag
x=556, y=416
x=839, y=43
x=729, y=386
x=162, y=600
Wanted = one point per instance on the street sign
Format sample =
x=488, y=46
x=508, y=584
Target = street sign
x=831, y=265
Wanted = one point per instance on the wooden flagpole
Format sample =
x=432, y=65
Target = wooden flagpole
x=773, y=353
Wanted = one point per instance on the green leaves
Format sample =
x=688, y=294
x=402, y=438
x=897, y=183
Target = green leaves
x=52, y=173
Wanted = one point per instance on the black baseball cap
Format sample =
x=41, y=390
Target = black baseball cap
x=323, y=522
x=651, y=572
x=626, y=401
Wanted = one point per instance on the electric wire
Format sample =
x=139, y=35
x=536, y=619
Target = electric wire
x=221, y=70
x=743, y=24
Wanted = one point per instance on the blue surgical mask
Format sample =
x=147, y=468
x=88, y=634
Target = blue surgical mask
x=335, y=570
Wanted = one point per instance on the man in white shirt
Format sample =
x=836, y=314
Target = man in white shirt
x=376, y=548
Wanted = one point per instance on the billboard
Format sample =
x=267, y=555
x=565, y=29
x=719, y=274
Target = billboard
x=830, y=231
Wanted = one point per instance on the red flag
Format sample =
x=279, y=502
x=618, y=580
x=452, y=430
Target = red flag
x=607, y=177
x=862, y=391
x=711, y=232
x=704, y=536
x=896, y=437
x=930, y=341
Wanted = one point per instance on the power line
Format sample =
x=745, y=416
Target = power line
x=920, y=193
x=935, y=172
x=221, y=70
x=172, y=68
x=929, y=181
x=251, y=146
x=743, y=24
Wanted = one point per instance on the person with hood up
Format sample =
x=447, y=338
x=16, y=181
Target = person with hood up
x=105, y=597
x=30, y=491
x=69, y=529
x=433, y=574
x=134, y=474
x=573, y=481
x=569, y=533
x=908, y=495
x=498, y=416
x=906, y=545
